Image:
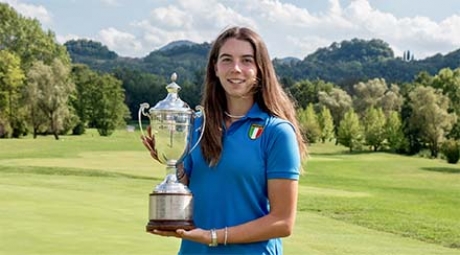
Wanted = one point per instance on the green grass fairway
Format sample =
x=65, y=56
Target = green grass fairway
x=89, y=195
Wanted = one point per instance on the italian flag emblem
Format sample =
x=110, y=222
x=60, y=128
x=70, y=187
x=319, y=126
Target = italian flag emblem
x=255, y=131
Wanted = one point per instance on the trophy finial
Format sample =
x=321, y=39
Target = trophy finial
x=174, y=77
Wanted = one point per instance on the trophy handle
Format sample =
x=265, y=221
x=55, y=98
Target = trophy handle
x=141, y=112
x=200, y=111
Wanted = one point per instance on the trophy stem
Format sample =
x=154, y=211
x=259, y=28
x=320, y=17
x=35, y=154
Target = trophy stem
x=171, y=170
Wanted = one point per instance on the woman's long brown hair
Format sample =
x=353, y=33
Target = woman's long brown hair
x=268, y=94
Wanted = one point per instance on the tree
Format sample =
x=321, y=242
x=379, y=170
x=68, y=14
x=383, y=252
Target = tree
x=451, y=150
x=448, y=81
x=84, y=79
x=375, y=93
x=52, y=87
x=338, y=102
x=394, y=133
x=309, y=123
x=306, y=91
x=430, y=115
x=374, y=123
x=36, y=117
x=108, y=110
x=392, y=100
x=350, y=133
x=26, y=39
x=368, y=94
x=326, y=124
x=11, y=81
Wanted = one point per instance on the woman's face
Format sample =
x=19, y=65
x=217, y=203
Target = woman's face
x=236, y=68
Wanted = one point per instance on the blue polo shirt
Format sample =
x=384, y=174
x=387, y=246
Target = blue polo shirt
x=256, y=148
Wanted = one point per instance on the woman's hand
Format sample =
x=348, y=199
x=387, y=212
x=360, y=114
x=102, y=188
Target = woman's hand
x=197, y=235
x=149, y=143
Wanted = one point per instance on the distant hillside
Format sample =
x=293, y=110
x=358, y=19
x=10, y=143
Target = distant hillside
x=174, y=44
x=186, y=59
x=287, y=60
x=342, y=63
x=88, y=48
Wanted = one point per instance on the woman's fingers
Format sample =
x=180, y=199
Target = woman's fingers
x=166, y=233
x=149, y=143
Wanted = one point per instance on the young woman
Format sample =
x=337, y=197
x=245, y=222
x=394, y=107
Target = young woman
x=244, y=176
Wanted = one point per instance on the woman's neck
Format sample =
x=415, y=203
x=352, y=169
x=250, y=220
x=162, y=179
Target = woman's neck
x=238, y=108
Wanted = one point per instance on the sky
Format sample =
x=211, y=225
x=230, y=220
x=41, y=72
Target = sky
x=290, y=28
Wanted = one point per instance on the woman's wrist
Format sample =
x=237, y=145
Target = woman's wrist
x=216, y=237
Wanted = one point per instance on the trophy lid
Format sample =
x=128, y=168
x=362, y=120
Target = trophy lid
x=172, y=102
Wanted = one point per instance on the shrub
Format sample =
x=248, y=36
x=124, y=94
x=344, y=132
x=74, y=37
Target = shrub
x=451, y=150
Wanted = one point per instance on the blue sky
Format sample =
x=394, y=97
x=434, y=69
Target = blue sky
x=290, y=27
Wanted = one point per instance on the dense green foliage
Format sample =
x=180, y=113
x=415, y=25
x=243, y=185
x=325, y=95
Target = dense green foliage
x=88, y=48
x=350, y=133
x=22, y=43
x=451, y=150
x=39, y=91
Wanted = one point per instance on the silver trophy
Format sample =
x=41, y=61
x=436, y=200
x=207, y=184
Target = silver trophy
x=171, y=122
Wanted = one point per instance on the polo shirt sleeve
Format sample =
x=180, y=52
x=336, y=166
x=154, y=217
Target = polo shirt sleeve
x=282, y=152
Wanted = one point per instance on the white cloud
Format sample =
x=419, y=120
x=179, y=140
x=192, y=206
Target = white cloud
x=288, y=30
x=286, y=14
x=111, y=2
x=293, y=31
x=31, y=11
x=420, y=35
x=198, y=21
x=64, y=38
x=125, y=44
x=171, y=17
x=306, y=44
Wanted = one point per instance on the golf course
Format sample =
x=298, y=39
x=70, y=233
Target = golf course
x=89, y=195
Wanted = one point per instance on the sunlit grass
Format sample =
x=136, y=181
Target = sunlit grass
x=89, y=195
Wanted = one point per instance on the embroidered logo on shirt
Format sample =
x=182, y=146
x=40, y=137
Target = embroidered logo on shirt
x=255, y=131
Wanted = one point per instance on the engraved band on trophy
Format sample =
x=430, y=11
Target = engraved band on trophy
x=171, y=122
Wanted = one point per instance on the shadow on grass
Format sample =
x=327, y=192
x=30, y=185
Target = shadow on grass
x=70, y=172
x=449, y=170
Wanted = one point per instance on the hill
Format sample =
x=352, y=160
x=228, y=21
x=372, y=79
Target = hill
x=342, y=63
x=174, y=44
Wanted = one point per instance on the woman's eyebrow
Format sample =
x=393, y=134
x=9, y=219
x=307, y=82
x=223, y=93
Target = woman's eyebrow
x=224, y=55
x=229, y=55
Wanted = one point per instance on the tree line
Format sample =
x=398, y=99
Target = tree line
x=405, y=118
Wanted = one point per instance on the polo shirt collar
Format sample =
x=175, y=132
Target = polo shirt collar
x=256, y=112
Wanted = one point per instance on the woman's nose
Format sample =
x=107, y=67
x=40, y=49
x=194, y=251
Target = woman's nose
x=236, y=66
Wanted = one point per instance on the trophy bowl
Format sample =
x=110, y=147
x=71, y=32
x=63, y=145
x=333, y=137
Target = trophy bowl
x=171, y=122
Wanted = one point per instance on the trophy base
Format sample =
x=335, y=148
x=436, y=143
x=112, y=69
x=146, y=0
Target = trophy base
x=169, y=225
